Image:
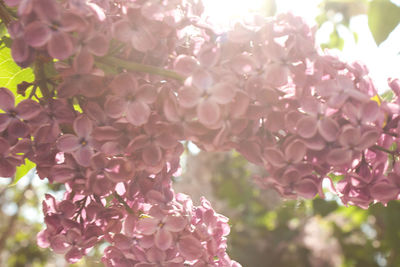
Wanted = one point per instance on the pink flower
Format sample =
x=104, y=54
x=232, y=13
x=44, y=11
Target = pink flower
x=162, y=225
x=80, y=145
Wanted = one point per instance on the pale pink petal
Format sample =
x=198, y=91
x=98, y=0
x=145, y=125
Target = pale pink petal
x=201, y=79
x=138, y=113
x=384, y=191
x=275, y=157
x=122, y=30
x=185, y=65
x=83, y=126
x=174, y=223
x=147, y=94
x=60, y=45
x=156, y=255
x=6, y=99
x=58, y=243
x=277, y=74
x=337, y=101
x=19, y=50
x=115, y=107
x=68, y=143
x=295, y=151
x=190, y=248
x=222, y=92
x=368, y=139
x=7, y=169
x=98, y=45
x=147, y=226
x=166, y=141
x=151, y=155
x=83, y=155
x=306, y=188
x=83, y=61
x=37, y=34
x=339, y=156
x=124, y=85
x=326, y=88
x=163, y=239
x=28, y=109
x=350, y=137
x=244, y=64
x=18, y=128
x=370, y=112
x=315, y=143
x=43, y=239
x=142, y=40
x=307, y=127
x=74, y=255
x=328, y=129
x=189, y=96
x=208, y=55
x=209, y=112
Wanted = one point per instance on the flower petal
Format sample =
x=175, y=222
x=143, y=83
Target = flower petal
x=208, y=112
x=174, y=223
x=147, y=226
x=68, y=143
x=328, y=129
x=37, y=34
x=60, y=46
x=307, y=127
x=83, y=126
x=138, y=113
x=163, y=239
x=6, y=99
x=190, y=247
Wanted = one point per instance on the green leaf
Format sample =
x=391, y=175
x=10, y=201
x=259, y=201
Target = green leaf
x=22, y=171
x=383, y=17
x=11, y=74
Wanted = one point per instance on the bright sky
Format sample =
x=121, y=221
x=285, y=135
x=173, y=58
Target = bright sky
x=382, y=61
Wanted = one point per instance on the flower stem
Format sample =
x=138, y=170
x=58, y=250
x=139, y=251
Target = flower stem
x=123, y=202
x=117, y=62
x=391, y=152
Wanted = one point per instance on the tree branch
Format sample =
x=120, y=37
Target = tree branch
x=133, y=66
x=12, y=221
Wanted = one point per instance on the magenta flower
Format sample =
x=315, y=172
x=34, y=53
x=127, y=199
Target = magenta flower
x=352, y=141
x=206, y=96
x=162, y=226
x=8, y=161
x=339, y=90
x=293, y=153
x=317, y=121
x=130, y=100
x=79, y=145
x=11, y=119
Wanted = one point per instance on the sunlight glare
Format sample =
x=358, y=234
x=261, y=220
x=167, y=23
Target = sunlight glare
x=226, y=12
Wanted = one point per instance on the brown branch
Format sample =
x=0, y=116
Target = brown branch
x=391, y=152
x=12, y=221
x=41, y=79
x=5, y=15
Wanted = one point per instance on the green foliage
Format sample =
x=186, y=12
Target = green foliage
x=383, y=17
x=11, y=74
x=23, y=170
x=268, y=232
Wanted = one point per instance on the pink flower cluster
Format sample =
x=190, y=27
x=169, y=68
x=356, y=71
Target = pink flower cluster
x=135, y=78
x=153, y=227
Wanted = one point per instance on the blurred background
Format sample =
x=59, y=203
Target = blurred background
x=266, y=230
